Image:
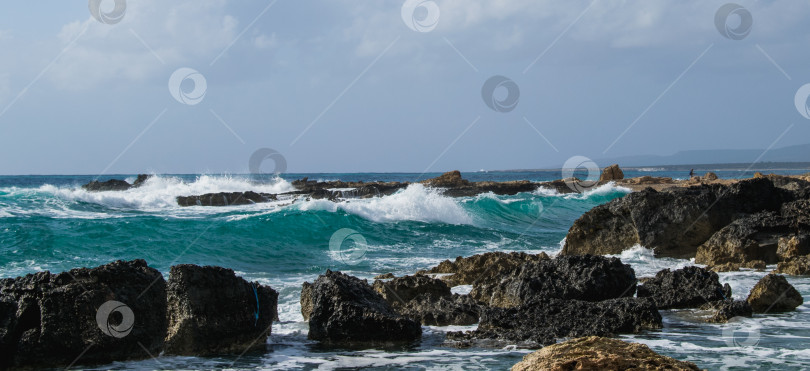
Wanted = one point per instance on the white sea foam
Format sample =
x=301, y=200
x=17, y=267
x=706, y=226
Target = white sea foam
x=161, y=192
x=416, y=203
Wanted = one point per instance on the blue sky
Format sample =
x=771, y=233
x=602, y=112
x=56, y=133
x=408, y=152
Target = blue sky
x=596, y=79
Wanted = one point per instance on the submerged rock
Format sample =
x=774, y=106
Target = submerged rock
x=212, y=311
x=673, y=222
x=542, y=322
x=346, y=310
x=428, y=301
x=588, y=277
x=486, y=267
x=88, y=315
x=774, y=294
x=724, y=310
x=226, y=199
x=599, y=353
x=689, y=287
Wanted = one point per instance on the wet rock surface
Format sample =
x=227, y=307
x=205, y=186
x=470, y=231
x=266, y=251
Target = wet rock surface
x=346, y=310
x=674, y=222
x=115, y=184
x=428, y=301
x=599, y=353
x=51, y=320
x=542, y=322
x=689, y=287
x=226, y=199
x=798, y=266
x=724, y=310
x=772, y=294
x=587, y=277
x=212, y=311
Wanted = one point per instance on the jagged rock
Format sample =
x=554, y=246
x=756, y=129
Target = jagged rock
x=542, y=322
x=610, y=173
x=753, y=237
x=346, y=310
x=710, y=176
x=225, y=199
x=404, y=289
x=646, y=179
x=484, y=267
x=798, y=266
x=755, y=264
x=599, y=353
x=789, y=247
x=673, y=222
x=587, y=277
x=306, y=300
x=774, y=294
x=449, y=179
x=384, y=276
x=725, y=310
x=725, y=267
x=432, y=310
x=212, y=311
x=142, y=178
x=428, y=300
x=689, y=287
x=48, y=320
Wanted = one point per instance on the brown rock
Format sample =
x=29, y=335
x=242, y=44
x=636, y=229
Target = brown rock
x=754, y=264
x=710, y=176
x=599, y=353
x=726, y=267
x=306, y=300
x=449, y=179
x=488, y=266
x=612, y=172
x=793, y=246
x=774, y=294
x=384, y=276
x=798, y=266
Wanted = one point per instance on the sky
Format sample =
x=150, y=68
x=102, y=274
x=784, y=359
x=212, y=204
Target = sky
x=183, y=86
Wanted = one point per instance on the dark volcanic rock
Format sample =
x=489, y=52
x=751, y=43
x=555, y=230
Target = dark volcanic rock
x=724, y=310
x=225, y=199
x=689, y=287
x=115, y=184
x=346, y=310
x=673, y=222
x=49, y=320
x=587, y=277
x=428, y=300
x=753, y=237
x=774, y=294
x=541, y=323
x=212, y=311
x=491, y=266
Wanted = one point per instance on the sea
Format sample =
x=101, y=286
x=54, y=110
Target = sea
x=51, y=223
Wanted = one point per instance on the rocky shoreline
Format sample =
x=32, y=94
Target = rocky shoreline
x=126, y=310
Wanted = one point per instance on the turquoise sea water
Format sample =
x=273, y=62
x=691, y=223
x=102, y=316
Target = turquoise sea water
x=49, y=223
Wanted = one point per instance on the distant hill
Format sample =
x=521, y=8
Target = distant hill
x=798, y=153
